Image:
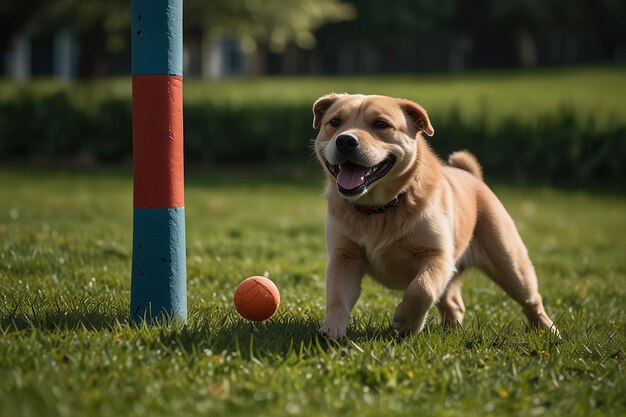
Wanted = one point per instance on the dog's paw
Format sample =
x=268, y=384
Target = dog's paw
x=403, y=328
x=334, y=333
x=404, y=321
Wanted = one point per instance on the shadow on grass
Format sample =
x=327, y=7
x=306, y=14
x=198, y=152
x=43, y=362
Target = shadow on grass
x=215, y=330
x=220, y=332
x=280, y=339
x=22, y=311
x=63, y=321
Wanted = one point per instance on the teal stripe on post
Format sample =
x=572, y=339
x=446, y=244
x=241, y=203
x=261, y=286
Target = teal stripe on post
x=159, y=287
x=157, y=37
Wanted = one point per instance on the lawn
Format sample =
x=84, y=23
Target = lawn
x=66, y=348
x=596, y=92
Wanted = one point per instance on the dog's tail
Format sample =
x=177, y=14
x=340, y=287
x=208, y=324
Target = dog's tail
x=466, y=161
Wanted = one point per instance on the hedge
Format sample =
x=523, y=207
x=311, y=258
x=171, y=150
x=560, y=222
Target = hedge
x=561, y=146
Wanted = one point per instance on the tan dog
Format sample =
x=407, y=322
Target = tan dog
x=397, y=213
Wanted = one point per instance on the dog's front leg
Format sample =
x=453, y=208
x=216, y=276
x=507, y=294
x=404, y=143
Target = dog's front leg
x=344, y=272
x=422, y=293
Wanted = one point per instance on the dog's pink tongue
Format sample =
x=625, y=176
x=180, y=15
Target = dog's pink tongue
x=351, y=176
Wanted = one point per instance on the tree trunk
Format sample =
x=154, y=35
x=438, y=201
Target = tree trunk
x=457, y=56
x=289, y=60
x=212, y=62
x=526, y=48
x=93, y=55
x=257, y=62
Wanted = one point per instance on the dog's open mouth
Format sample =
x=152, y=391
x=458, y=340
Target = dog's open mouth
x=352, y=178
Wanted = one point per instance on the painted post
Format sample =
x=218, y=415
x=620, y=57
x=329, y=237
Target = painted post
x=159, y=277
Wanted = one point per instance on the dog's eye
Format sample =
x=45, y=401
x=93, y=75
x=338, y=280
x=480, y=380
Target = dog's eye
x=379, y=124
x=335, y=122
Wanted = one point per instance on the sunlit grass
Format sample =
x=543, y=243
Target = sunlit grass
x=66, y=347
x=595, y=91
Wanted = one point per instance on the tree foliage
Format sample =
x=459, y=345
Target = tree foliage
x=103, y=25
x=275, y=22
x=382, y=21
x=16, y=16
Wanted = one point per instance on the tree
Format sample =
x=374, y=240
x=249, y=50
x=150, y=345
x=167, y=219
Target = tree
x=15, y=17
x=383, y=33
x=103, y=25
x=103, y=28
x=383, y=22
x=274, y=22
x=526, y=18
x=262, y=25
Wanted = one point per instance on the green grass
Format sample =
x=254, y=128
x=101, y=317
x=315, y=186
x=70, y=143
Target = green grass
x=591, y=91
x=595, y=91
x=66, y=348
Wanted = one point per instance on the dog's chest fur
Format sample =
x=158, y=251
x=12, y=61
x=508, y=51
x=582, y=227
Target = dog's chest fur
x=395, y=250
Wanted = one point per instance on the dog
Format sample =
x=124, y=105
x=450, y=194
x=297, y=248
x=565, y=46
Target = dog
x=397, y=213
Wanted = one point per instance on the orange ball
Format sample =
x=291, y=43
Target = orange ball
x=257, y=298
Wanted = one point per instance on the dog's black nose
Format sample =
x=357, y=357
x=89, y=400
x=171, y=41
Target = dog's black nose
x=346, y=143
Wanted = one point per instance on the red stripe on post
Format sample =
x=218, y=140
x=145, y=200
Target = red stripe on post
x=158, y=141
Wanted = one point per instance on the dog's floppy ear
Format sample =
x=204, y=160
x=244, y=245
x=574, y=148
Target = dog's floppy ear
x=321, y=105
x=418, y=115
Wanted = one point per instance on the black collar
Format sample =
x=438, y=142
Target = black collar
x=378, y=209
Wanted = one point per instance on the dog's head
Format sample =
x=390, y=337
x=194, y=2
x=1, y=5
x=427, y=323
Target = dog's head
x=367, y=143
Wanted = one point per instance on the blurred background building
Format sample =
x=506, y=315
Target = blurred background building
x=89, y=38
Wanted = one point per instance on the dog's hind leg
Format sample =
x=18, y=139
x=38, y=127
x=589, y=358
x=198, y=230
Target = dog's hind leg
x=505, y=260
